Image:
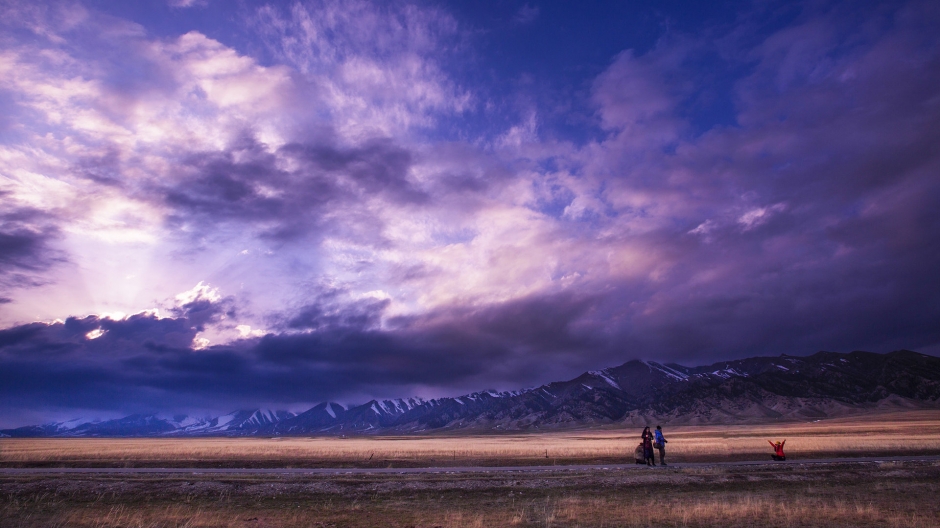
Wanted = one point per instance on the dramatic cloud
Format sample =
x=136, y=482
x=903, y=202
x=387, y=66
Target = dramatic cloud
x=392, y=199
x=145, y=362
x=25, y=252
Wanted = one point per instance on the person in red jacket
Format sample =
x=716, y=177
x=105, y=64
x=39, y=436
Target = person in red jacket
x=778, y=451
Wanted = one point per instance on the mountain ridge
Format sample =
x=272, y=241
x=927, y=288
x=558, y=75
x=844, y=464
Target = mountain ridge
x=750, y=390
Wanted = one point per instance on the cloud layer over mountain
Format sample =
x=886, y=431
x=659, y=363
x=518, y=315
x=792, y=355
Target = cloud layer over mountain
x=383, y=199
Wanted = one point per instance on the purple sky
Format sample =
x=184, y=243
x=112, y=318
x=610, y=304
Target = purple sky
x=207, y=205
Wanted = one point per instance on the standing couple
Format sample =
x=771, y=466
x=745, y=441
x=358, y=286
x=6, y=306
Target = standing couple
x=644, y=451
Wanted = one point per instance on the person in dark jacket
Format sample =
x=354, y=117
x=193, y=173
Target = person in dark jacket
x=638, y=454
x=661, y=445
x=778, y=451
x=647, y=437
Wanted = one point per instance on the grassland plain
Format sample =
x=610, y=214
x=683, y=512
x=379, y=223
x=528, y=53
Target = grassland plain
x=839, y=494
x=892, y=493
x=909, y=433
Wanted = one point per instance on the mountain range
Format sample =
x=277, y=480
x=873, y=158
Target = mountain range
x=753, y=390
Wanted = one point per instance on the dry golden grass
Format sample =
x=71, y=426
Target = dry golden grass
x=914, y=432
x=894, y=495
x=563, y=512
x=730, y=510
x=899, y=433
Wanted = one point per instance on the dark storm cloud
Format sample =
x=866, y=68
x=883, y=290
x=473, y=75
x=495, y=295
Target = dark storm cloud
x=244, y=184
x=13, y=336
x=220, y=189
x=26, y=236
x=541, y=324
x=19, y=247
x=361, y=315
x=144, y=363
x=376, y=167
x=58, y=365
x=485, y=345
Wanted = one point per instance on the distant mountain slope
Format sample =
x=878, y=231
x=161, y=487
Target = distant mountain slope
x=756, y=389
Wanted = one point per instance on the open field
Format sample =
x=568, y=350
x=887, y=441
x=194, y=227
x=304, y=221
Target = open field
x=893, y=493
x=909, y=433
x=899, y=494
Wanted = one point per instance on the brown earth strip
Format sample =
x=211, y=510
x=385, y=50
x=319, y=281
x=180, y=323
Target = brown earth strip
x=835, y=494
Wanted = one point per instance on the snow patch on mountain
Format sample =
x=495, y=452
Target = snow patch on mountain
x=261, y=417
x=663, y=369
x=604, y=375
x=184, y=422
x=668, y=371
x=68, y=425
x=223, y=422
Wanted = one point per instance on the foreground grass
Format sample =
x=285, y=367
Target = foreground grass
x=908, y=433
x=890, y=494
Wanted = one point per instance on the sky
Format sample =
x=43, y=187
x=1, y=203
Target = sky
x=209, y=205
